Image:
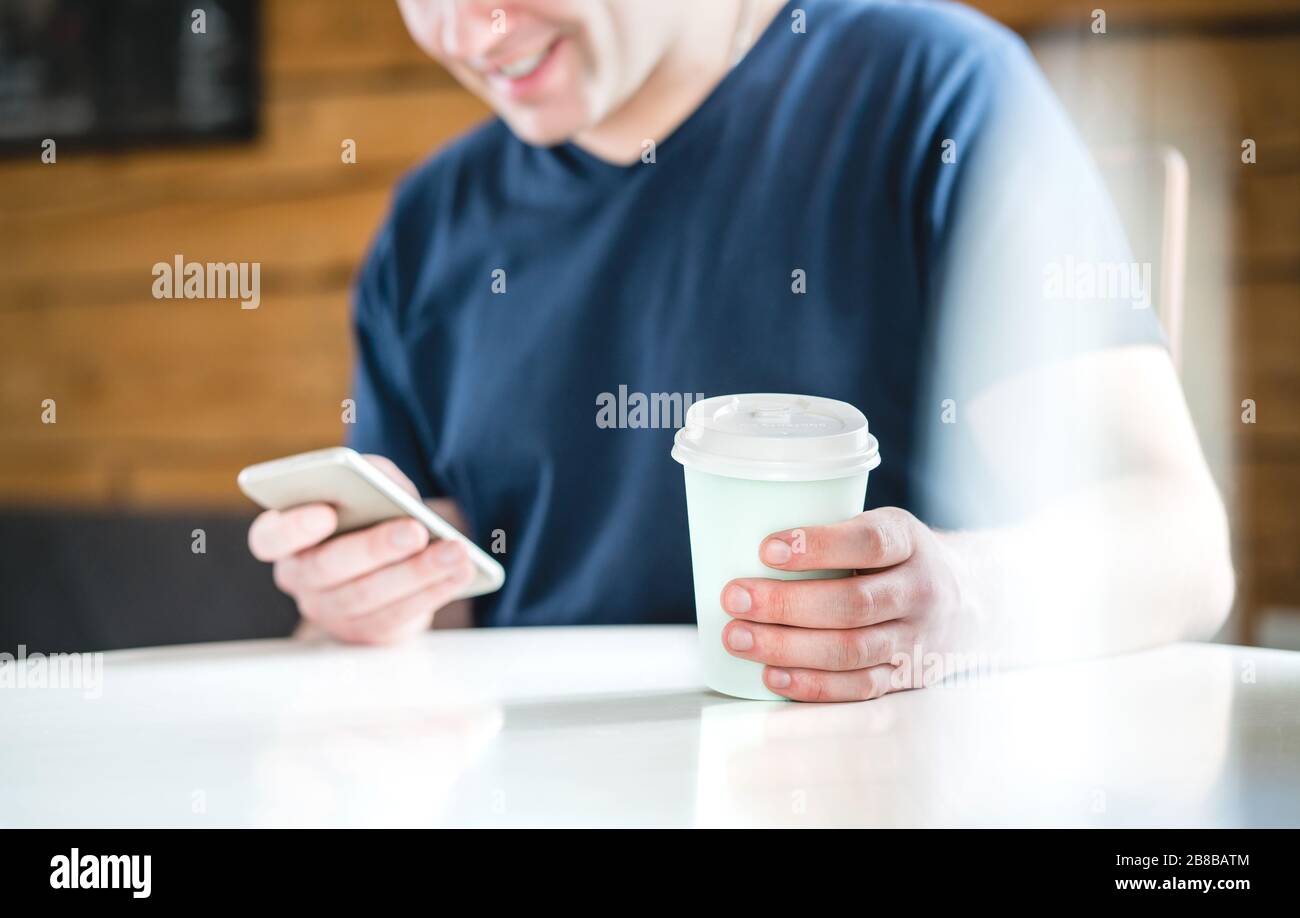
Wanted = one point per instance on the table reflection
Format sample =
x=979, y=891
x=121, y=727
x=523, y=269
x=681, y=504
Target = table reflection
x=1052, y=746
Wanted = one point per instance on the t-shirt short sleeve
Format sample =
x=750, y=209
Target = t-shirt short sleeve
x=1028, y=258
x=384, y=420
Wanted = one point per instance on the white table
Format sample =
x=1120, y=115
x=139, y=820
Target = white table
x=610, y=726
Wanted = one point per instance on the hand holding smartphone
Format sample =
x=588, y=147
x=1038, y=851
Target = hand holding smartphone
x=356, y=548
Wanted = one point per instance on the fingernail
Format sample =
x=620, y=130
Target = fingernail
x=775, y=552
x=778, y=678
x=736, y=599
x=740, y=638
x=405, y=535
x=447, y=552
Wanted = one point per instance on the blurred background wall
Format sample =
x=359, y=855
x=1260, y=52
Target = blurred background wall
x=160, y=402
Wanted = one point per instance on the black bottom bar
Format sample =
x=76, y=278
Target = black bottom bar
x=870, y=867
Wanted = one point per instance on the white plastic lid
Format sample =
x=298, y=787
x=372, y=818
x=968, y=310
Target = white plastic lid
x=776, y=437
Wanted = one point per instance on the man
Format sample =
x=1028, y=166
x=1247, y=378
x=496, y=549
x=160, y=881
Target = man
x=861, y=200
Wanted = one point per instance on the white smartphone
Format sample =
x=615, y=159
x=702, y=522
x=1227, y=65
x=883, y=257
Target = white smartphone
x=362, y=495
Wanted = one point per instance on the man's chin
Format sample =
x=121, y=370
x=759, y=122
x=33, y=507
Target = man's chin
x=541, y=132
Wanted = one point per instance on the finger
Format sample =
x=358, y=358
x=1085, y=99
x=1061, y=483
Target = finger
x=840, y=602
x=349, y=556
x=818, y=685
x=874, y=539
x=404, y=618
x=369, y=592
x=810, y=648
x=277, y=534
x=389, y=468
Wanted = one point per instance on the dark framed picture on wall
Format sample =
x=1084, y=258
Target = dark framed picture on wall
x=128, y=73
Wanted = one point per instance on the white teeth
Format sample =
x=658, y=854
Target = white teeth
x=523, y=66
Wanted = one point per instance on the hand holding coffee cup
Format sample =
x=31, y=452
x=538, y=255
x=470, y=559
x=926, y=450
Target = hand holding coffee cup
x=799, y=594
x=838, y=640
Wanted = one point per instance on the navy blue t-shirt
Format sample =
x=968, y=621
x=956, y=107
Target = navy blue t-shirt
x=848, y=190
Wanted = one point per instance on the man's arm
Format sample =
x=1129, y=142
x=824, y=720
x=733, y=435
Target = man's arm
x=1126, y=545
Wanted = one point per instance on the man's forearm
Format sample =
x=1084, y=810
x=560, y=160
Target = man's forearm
x=1119, y=565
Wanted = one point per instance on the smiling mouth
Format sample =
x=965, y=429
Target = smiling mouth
x=526, y=66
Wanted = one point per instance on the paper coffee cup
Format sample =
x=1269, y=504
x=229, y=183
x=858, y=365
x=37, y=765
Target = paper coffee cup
x=757, y=464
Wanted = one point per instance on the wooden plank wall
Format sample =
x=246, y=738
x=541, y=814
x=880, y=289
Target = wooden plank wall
x=159, y=402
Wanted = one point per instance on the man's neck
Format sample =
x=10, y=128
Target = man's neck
x=682, y=80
